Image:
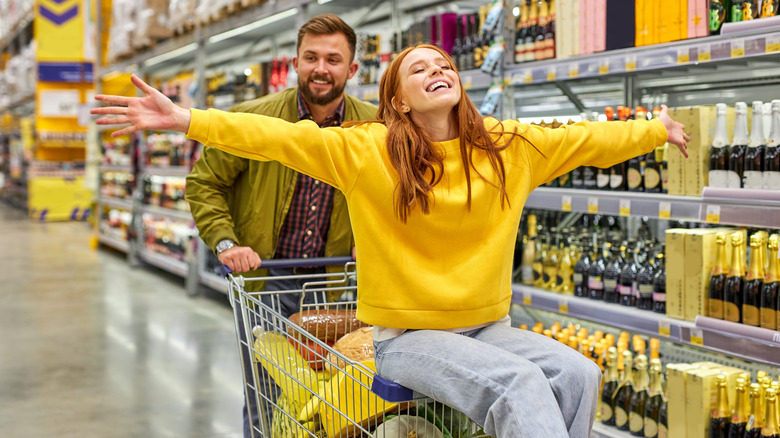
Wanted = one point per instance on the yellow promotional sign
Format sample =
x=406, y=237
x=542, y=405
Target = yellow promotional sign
x=64, y=30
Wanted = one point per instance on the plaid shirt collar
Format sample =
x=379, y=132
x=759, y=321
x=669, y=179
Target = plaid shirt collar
x=334, y=119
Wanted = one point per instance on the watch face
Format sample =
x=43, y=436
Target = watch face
x=224, y=246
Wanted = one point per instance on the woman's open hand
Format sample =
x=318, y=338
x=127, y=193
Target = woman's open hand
x=154, y=111
x=675, y=131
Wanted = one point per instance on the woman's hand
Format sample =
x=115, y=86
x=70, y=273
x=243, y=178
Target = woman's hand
x=675, y=131
x=154, y=111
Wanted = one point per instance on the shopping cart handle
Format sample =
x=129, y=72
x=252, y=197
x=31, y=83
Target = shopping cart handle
x=390, y=391
x=295, y=263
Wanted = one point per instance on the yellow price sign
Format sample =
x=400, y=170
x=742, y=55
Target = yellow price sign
x=738, y=48
x=467, y=85
x=593, y=205
x=550, y=76
x=773, y=43
x=665, y=210
x=528, y=79
x=604, y=69
x=664, y=328
x=697, y=337
x=683, y=56
x=566, y=203
x=713, y=214
x=705, y=56
x=527, y=299
x=574, y=71
x=625, y=207
x=631, y=66
x=563, y=306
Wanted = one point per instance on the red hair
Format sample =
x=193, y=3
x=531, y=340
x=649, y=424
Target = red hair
x=411, y=152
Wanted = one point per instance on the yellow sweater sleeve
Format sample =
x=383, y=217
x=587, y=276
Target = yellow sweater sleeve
x=330, y=155
x=554, y=152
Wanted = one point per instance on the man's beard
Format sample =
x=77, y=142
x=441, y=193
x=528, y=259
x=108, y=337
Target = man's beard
x=333, y=94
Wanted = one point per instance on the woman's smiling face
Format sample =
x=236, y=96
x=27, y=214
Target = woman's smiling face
x=428, y=82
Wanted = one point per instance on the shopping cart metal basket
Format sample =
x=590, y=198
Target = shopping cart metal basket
x=314, y=373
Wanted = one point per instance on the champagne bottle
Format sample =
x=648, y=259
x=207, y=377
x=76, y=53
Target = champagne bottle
x=529, y=253
x=596, y=272
x=769, y=296
x=719, y=419
x=718, y=279
x=533, y=26
x=771, y=427
x=751, y=290
x=738, y=148
x=538, y=265
x=621, y=401
x=655, y=400
x=581, y=271
x=549, y=36
x=756, y=419
x=550, y=262
x=613, y=266
x=644, y=279
x=628, y=284
x=611, y=382
x=772, y=153
x=663, y=421
x=732, y=289
x=740, y=416
x=636, y=416
x=541, y=31
x=520, y=34
x=659, y=285
x=564, y=281
x=719, y=155
x=753, y=177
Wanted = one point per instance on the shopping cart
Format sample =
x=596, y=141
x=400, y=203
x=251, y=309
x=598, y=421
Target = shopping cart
x=314, y=373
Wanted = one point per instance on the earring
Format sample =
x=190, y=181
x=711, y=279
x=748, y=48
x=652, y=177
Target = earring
x=405, y=108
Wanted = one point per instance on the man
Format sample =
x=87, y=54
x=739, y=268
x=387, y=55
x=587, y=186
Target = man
x=249, y=210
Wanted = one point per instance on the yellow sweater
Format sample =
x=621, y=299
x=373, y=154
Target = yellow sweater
x=452, y=267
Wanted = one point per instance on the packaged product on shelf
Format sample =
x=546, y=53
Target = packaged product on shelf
x=181, y=15
x=772, y=154
x=753, y=177
x=620, y=24
x=769, y=311
x=738, y=147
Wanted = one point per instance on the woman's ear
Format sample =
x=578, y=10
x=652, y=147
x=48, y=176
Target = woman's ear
x=404, y=108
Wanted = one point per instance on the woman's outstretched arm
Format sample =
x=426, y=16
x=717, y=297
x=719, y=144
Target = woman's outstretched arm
x=154, y=111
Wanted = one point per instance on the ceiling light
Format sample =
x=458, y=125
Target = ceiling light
x=252, y=26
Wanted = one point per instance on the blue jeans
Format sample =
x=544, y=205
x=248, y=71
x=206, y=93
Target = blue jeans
x=286, y=304
x=513, y=382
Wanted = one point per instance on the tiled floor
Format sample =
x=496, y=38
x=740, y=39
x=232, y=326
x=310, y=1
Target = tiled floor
x=90, y=347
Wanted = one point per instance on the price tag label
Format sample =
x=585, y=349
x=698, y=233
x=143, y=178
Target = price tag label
x=551, y=75
x=697, y=337
x=566, y=203
x=704, y=53
x=631, y=63
x=604, y=67
x=713, y=214
x=737, y=48
x=664, y=328
x=528, y=78
x=625, y=207
x=467, y=82
x=683, y=55
x=527, y=298
x=59, y=103
x=518, y=78
x=563, y=306
x=593, y=205
x=664, y=210
x=574, y=71
x=773, y=43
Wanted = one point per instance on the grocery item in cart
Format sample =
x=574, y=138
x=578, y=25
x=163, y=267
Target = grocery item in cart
x=408, y=425
x=327, y=325
x=357, y=346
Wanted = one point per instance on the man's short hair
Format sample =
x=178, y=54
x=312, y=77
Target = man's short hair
x=328, y=24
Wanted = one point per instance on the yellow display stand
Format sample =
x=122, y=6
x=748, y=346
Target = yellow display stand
x=54, y=198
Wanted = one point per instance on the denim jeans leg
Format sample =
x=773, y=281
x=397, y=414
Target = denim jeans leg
x=507, y=393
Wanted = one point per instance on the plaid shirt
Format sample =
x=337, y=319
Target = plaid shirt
x=306, y=225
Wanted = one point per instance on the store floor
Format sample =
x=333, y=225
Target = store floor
x=90, y=347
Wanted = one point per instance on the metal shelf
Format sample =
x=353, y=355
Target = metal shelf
x=733, y=343
x=735, y=207
x=602, y=431
x=115, y=168
x=113, y=242
x=173, y=171
x=213, y=281
x=20, y=26
x=19, y=104
x=118, y=203
x=472, y=80
x=167, y=212
x=707, y=51
x=164, y=262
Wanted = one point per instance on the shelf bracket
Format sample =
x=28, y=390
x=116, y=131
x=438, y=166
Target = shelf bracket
x=572, y=97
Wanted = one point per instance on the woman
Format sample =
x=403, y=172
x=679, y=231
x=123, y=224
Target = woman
x=435, y=194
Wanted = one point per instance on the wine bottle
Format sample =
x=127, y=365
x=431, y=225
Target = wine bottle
x=550, y=262
x=738, y=148
x=739, y=417
x=457, y=47
x=621, y=401
x=596, y=272
x=756, y=420
x=772, y=153
x=529, y=253
x=718, y=279
x=652, y=178
x=541, y=31
x=520, y=34
x=719, y=419
x=720, y=12
x=533, y=25
x=769, y=296
x=612, y=269
x=659, y=285
x=732, y=289
x=636, y=415
x=581, y=270
x=751, y=290
x=538, y=265
x=655, y=400
x=736, y=10
x=768, y=8
x=719, y=155
x=753, y=177
x=564, y=281
x=771, y=427
x=627, y=279
x=549, y=36
x=644, y=279
x=465, y=61
x=611, y=382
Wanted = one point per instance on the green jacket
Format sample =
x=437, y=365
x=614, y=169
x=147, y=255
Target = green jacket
x=247, y=201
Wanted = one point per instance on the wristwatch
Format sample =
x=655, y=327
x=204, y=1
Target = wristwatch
x=224, y=245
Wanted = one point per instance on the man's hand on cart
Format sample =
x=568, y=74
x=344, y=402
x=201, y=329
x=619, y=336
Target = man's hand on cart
x=240, y=259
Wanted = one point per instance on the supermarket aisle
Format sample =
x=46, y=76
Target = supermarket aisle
x=92, y=348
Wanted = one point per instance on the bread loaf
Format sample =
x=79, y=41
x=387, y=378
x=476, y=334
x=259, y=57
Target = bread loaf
x=327, y=325
x=357, y=346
